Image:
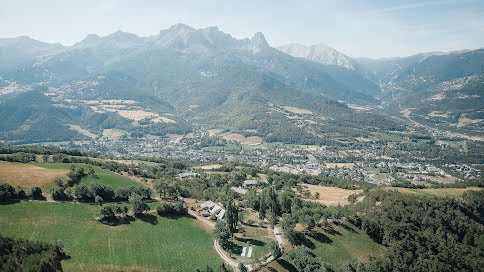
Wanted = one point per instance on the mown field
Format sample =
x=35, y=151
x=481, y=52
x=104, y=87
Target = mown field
x=329, y=196
x=105, y=176
x=28, y=175
x=153, y=244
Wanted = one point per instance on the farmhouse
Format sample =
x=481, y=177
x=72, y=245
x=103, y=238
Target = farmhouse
x=187, y=175
x=210, y=208
x=251, y=182
x=239, y=190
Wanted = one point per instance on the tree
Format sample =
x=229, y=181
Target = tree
x=275, y=249
x=287, y=222
x=7, y=192
x=252, y=200
x=107, y=213
x=75, y=175
x=58, y=193
x=222, y=233
x=160, y=187
x=102, y=190
x=222, y=268
x=98, y=200
x=262, y=207
x=58, y=182
x=36, y=193
x=82, y=192
x=91, y=173
x=242, y=267
x=316, y=195
x=304, y=260
x=232, y=216
x=139, y=205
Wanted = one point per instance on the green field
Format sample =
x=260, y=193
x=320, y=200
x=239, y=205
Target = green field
x=105, y=176
x=157, y=244
x=345, y=243
x=336, y=247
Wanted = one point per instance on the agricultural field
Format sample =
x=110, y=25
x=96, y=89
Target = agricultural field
x=151, y=244
x=28, y=175
x=444, y=192
x=105, y=176
x=329, y=196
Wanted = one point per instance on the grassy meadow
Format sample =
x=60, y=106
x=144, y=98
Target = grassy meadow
x=152, y=244
x=105, y=176
x=341, y=244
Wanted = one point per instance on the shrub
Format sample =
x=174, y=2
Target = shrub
x=139, y=205
x=58, y=193
x=36, y=193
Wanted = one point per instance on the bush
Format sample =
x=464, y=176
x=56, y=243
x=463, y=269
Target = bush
x=139, y=205
x=82, y=192
x=24, y=255
x=167, y=209
x=102, y=190
x=107, y=213
x=7, y=192
x=36, y=193
x=58, y=193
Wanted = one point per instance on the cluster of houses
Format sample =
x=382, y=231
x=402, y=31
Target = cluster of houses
x=210, y=208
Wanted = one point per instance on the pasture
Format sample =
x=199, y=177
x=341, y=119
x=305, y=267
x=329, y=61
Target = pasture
x=343, y=243
x=105, y=176
x=152, y=244
x=28, y=175
x=329, y=196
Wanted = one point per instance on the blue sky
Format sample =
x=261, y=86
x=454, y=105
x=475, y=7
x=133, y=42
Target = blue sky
x=357, y=28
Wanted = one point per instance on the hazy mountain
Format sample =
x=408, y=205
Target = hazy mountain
x=320, y=53
x=15, y=52
x=205, y=78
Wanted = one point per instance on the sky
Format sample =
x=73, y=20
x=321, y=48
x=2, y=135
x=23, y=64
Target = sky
x=359, y=28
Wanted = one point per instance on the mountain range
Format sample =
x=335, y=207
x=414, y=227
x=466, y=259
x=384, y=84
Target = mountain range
x=185, y=79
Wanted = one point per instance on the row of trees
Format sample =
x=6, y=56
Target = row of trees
x=9, y=193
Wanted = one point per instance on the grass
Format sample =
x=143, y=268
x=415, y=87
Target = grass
x=157, y=244
x=443, y=192
x=329, y=196
x=105, y=176
x=343, y=243
x=256, y=238
x=28, y=175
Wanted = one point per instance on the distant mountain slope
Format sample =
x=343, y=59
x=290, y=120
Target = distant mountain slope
x=20, y=51
x=98, y=55
x=455, y=104
x=320, y=53
x=32, y=117
x=339, y=66
x=405, y=76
